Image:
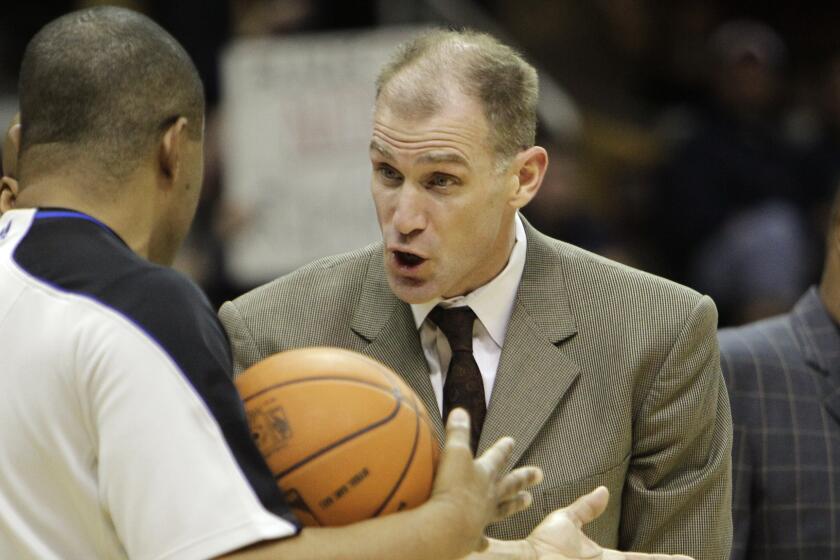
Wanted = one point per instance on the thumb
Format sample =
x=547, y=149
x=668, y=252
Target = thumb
x=589, y=507
x=457, y=452
x=458, y=431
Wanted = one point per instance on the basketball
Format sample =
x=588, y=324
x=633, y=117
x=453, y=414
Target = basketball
x=344, y=436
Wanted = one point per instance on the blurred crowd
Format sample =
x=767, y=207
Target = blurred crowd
x=710, y=140
x=709, y=151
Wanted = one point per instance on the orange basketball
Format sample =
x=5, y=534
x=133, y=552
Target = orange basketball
x=345, y=437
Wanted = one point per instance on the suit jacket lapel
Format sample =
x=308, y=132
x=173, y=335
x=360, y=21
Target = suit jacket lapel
x=388, y=325
x=534, y=372
x=820, y=341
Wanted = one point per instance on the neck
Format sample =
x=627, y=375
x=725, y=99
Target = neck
x=124, y=208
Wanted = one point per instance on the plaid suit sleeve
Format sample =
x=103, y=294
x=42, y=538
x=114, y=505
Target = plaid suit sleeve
x=782, y=376
x=741, y=467
x=741, y=511
x=678, y=488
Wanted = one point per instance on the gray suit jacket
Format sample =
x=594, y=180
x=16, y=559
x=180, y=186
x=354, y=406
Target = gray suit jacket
x=784, y=382
x=607, y=376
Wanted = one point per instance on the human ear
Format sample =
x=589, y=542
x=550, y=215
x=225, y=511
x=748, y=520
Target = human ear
x=11, y=148
x=170, y=152
x=529, y=170
x=9, y=190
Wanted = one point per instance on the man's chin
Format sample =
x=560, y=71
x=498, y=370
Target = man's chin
x=411, y=290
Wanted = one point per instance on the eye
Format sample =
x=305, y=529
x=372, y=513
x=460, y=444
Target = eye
x=442, y=180
x=388, y=173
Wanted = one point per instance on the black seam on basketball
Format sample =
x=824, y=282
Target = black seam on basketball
x=410, y=404
x=407, y=464
x=387, y=390
x=341, y=441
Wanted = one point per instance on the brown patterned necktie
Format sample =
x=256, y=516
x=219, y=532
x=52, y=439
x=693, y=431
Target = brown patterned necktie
x=463, y=386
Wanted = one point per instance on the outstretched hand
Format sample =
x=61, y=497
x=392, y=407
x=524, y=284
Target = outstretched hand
x=560, y=535
x=475, y=491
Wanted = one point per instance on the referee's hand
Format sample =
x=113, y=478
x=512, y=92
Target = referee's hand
x=473, y=491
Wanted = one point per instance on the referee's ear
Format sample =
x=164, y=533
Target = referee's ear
x=8, y=194
x=171, y=149
x=11, y=147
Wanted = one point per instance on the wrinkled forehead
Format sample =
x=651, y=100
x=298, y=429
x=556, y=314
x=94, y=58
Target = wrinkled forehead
x=454, y=124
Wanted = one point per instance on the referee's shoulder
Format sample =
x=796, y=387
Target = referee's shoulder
x=166, y=287
x=165, y=303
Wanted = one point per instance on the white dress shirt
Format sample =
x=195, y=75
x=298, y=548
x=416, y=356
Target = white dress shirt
x=492, y=304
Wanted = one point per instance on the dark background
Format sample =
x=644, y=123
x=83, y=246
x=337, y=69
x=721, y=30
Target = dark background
x=707, y=147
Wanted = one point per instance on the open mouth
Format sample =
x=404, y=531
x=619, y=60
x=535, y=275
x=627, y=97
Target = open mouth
x=408, y=260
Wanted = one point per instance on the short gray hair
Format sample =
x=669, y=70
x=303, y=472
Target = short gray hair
x=484, y=69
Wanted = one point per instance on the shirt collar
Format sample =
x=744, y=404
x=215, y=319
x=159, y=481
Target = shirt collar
x=493, y=302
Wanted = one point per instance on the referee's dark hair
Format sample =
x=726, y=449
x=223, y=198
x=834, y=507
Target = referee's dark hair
x=103, y=84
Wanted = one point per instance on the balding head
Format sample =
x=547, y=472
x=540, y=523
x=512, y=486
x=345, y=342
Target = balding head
x=427, y=70
x=100, y=86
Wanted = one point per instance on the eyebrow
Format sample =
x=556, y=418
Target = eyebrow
x=383, y=151
x=432, y=157
x=443, y=157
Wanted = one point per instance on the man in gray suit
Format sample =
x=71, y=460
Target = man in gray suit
x=602, y=374
x=784, y=382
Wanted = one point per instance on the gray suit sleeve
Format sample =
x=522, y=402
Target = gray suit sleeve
x=742, y=467
x=678, y=489
x=242, y=343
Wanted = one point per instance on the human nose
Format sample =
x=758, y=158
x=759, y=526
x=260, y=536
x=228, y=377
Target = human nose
x=409, y=216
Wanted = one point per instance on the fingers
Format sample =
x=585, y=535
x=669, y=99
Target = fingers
x=520, y=502
x=518, y=480
x=494, y=459
x=589, y=507
x=511, y=491
x=616, y=555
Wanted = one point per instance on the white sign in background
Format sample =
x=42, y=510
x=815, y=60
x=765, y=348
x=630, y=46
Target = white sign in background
x=297, y=126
